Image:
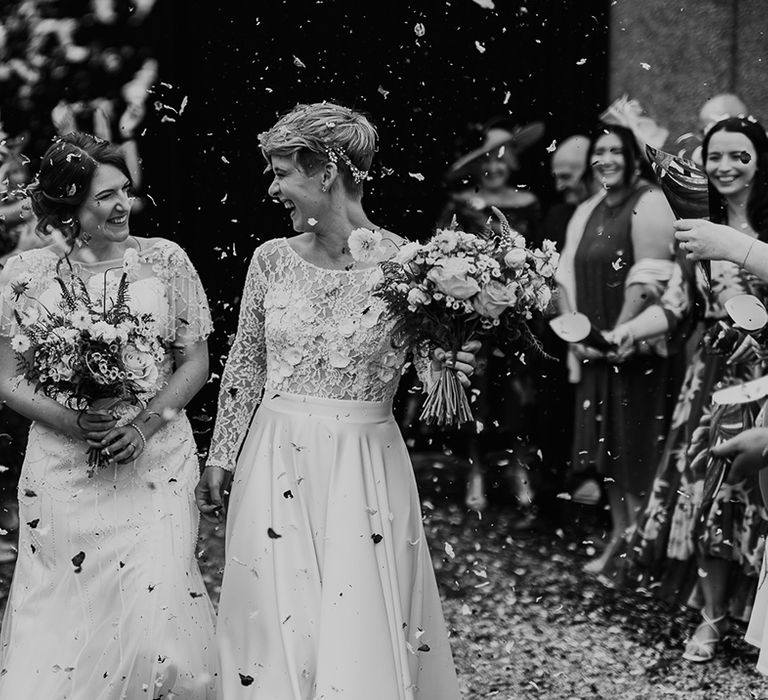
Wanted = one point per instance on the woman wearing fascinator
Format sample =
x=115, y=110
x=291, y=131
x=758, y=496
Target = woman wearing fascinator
x=616, y=261
x=686, y=537
x=328, y=587
x=482, y=180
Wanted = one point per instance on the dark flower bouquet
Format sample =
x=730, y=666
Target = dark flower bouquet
x=457, y=287
x=86, y=352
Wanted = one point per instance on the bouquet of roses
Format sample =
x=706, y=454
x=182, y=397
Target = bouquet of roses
x=86, y=352
x=457, y=287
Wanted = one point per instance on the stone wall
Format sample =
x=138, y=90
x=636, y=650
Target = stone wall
x=673, y=55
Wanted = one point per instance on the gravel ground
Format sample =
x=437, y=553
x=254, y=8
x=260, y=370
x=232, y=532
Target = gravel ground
x=527, y=623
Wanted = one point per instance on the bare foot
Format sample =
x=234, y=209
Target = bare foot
x=596, y=565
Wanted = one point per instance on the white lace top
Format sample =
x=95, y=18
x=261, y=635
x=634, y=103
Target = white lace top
x=303, y=330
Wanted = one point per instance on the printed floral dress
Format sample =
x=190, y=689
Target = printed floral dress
x=679, y=520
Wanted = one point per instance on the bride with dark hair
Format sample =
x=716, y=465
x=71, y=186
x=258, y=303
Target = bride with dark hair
x=107, y=601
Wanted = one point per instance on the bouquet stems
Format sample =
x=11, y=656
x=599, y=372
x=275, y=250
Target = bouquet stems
x=96, y=457
x=447, y=404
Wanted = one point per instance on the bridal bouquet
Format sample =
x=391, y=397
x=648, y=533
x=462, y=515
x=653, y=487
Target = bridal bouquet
x=86, y=352
x=457, y=287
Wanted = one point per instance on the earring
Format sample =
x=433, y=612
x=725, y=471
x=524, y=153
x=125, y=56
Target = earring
x=82, y=239
x=324, y=188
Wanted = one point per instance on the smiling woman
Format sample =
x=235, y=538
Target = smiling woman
x=106, y=554
x=617, y=260
x=324, y=506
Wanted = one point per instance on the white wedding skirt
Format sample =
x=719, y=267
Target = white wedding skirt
x=328, y=589
x=107, y=601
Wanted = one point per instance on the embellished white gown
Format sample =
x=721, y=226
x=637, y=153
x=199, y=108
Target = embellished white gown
x=107, y=601
x=328, y=588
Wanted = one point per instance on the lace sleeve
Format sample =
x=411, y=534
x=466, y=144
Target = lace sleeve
x=189, y=319
x=244, y=374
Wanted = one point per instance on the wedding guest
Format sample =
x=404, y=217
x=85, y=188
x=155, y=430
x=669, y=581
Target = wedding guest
x=616, y=261
x=705, y=240
x=106, y=555
x=574, y=184
x=328, y=587
x=503, y=386
x=554, y=393
x=681, y=540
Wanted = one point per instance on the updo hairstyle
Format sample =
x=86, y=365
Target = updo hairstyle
x=64, y=180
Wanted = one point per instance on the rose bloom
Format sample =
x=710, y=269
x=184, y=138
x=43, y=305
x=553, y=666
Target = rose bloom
x=407, y=253
x=450, y=276
x=515, y=258
x=417, y=297
x=140, y=367
x=494, y=299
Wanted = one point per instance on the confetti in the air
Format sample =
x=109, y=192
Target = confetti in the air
x=645, y=66
x=298, y=62
x=552, y=146
x=485, y=4
x=581, y=61
x=449, y=550
x=419, y=29
x=479, y=47
x=417, y=176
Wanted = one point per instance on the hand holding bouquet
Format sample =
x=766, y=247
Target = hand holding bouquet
x=457, y=287
x=84, y=352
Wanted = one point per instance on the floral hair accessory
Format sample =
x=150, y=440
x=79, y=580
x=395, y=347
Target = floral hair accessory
x=335, y=153
x=629, y=113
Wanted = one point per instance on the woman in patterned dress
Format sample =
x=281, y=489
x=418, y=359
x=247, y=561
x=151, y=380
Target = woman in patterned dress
x=328, y=588
x=676, y=543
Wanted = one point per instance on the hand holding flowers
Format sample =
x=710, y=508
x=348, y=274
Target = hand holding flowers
x=95, y=356
x=457, y=288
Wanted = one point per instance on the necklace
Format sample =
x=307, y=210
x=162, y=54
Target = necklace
x=608, y=212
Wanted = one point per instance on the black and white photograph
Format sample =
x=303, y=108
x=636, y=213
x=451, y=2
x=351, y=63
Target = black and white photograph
x=409, y=350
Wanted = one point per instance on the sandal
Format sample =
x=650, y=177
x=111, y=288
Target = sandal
x=701, y=650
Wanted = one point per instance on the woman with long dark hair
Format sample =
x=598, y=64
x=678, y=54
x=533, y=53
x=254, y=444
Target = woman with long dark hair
x=686, y=535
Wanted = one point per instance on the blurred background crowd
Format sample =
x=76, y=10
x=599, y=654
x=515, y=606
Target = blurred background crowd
x=524, y=109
